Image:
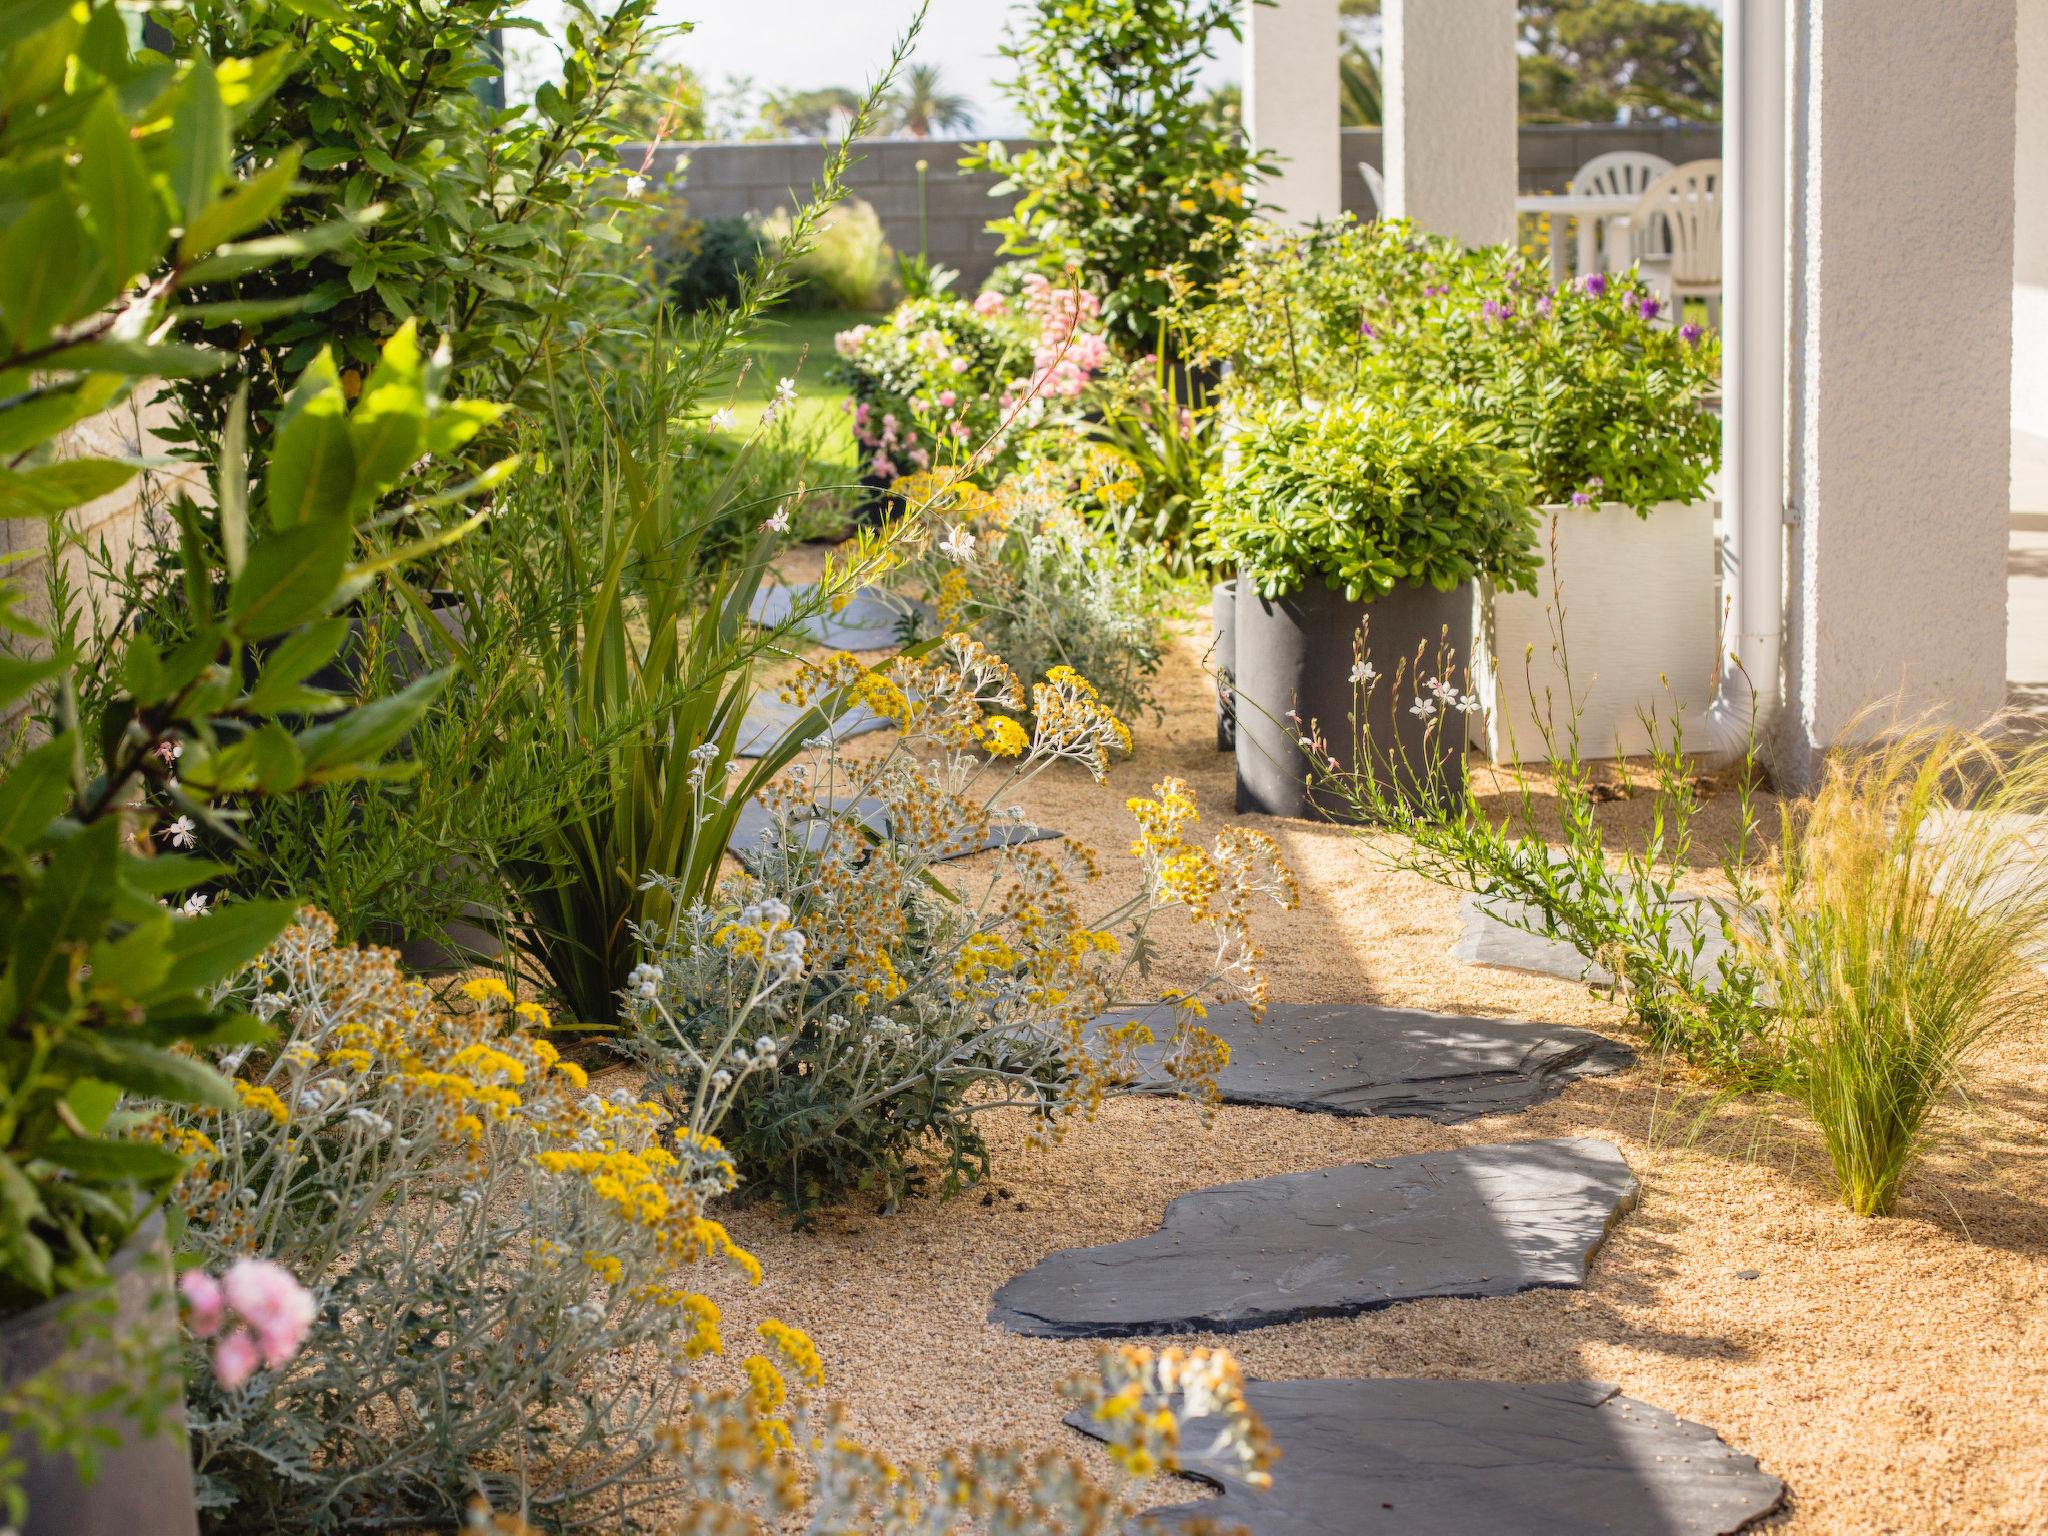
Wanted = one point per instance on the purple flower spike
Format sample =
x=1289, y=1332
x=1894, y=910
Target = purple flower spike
x=1594, y=283
x=1365, y=329
x=1581, y=499
x=1543, y=305
x=1690, y=335
x=1495, y=311
x=1649, y=307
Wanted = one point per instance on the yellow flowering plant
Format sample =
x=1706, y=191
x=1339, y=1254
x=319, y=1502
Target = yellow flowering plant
x=482, y=1229
x=846, y=1016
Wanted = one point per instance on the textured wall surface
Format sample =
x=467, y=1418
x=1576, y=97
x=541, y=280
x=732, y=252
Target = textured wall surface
x=1449, y=79
x=1290, y=103
x=2030, y=231
x=739, y=178
x=1901, y=359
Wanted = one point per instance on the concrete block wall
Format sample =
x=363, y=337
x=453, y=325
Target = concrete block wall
x=760, y=176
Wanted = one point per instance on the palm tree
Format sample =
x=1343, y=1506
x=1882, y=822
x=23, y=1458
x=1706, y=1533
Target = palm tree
x=919, y=106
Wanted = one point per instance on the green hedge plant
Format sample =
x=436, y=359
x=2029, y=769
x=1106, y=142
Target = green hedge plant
x=1367, y=497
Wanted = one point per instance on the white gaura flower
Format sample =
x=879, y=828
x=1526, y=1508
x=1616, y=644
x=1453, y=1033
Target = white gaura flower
x=182, y=833
x=785, y=396
x=958, y=546
x=1362, y=671
x=1422, y=708
x=779, y=523
x=721, y=419
x=195, y=905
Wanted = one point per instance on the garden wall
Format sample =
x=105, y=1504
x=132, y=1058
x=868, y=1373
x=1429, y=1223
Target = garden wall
x=758, y=177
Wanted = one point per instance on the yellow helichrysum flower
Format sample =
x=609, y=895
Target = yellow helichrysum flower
x=796, y=1349
x=260, y=1096
x=487, y=990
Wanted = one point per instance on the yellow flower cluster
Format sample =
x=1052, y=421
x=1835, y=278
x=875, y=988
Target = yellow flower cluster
x=262, y=1098
x=796, y=1350
x=1073, y=722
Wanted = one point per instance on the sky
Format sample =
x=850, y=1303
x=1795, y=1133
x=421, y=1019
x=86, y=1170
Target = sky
x=803, y=44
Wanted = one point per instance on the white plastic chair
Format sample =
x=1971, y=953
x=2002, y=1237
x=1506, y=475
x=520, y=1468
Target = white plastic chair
x=1684, y=205
x=1376, y=184
x=1624, y=173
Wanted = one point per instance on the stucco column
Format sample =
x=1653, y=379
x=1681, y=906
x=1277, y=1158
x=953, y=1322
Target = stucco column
x=1291, y=109
x=2030, y=234
x=1449, y=85
x=1902, y=335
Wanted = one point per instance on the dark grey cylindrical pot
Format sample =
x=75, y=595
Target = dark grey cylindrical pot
x=1223, y=653
x=143, y=1486
x=1295, y=654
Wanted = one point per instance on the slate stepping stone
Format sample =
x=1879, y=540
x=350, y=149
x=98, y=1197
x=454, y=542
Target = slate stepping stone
x=870, y=621
x=1473, y=1458
x=1478, y=1221
x=1355, y=1059
x=754, y=827
x=1491, y=932
x=769, y=719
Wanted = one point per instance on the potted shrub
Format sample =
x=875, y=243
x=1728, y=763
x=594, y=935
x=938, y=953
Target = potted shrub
x=1358, y=530
x=1613, y=408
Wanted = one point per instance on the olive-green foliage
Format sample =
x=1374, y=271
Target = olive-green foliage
x=1130, y=178
x=847, y=262
x=1368, y=497
x=489, y=230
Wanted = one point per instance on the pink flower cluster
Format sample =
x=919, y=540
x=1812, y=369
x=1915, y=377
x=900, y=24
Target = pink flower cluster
x=989, y=304
x=273, y=1313
x=1066, y=356
x=849, y=343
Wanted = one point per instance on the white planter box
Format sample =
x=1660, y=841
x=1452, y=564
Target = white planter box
x=1641, y=622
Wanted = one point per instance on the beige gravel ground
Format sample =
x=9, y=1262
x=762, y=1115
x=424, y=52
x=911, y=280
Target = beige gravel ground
x=1894, y=1373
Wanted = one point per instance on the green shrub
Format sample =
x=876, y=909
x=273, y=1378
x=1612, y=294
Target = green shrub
x=845, y=261
x=1371, y=496
x=1129, y=179
x=707, y=260
x=930, y=383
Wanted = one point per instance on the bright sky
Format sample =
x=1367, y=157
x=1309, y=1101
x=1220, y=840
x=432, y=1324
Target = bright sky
x=803, y=44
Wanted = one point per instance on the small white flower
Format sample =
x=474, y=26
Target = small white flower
x=195, y=905
x=182, y=831
x=721, y=1080
x=779, y=523
x=1363, y=672
x=958, y=546
x=721, y=419
x=785, y=393
x=635, y=185
x=1422, y=708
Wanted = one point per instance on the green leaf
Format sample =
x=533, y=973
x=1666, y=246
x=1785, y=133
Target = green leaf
x=108, y=1162
x=150, y=1070
x=92, y=1101
x=312, y=464
x=249, y=204
x=34, y=793
x=456, y=422
x=46, y=265
x=120, y=199
x=289, y=579
x=163, y=359
x=252, y=255
x=296, y=656
x=206, y=951
x=52, y=488
x=362, y=735
x=67, y=914
x=168, y=872
x=34, y=418
x=199, y=150
x=389, y=421
x=20, y=674
x=274, y=756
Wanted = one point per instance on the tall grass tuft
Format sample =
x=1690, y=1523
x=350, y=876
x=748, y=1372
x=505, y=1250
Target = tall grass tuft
x=1911, y=913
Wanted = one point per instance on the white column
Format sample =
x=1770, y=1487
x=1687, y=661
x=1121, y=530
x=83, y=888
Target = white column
x=2030, y=236
x=1449, y=84
x=1902, y=337
x=1291, y=109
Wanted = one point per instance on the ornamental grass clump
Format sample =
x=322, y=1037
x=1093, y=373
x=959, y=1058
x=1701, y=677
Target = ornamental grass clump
x=873, y=1015
x=1911, y=919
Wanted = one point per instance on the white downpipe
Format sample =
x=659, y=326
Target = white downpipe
x=1754, y=340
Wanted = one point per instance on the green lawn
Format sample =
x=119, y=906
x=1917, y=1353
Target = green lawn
x=797, y=344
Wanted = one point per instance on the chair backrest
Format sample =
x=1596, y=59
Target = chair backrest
x=1620, y=173
x=1686, y=202
x=1376, y=184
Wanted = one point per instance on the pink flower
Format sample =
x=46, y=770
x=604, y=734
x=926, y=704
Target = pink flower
x=889, y=422
x=946, y=399
x=959, y=365
x=270, y=1300
x=881, y=467
x=205, y=1307
x=988, y=304
x=234, y=1359
x=848, y=343
x=860, y=414
x=920, y=458
x=960, y=430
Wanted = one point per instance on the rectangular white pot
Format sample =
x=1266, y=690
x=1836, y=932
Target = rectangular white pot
x=1641, y=622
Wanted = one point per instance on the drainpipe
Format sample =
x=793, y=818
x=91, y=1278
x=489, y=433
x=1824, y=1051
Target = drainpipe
x=1754, y=331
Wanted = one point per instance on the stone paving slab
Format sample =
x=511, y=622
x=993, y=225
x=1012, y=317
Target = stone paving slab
x=1473, y=1458
x=1356, y=1059
x=1334, y=1242
x=769, y=719
x=870, y=621
x=754, y=825
x=1489, y=933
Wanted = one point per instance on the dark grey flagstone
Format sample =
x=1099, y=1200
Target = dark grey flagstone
x=870, y=621
x=1355, y=1059
x=1477, y=1221
x=754, y=827
x=769, y=719
x=1472, y=1458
